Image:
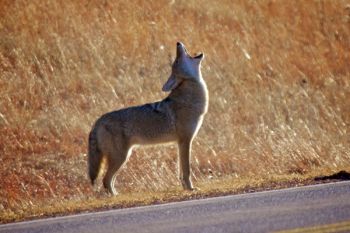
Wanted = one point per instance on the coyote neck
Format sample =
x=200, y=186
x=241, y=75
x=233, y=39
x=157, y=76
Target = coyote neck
x=192, y=94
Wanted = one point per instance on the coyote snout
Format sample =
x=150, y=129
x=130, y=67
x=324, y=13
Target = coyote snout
x=177, y=118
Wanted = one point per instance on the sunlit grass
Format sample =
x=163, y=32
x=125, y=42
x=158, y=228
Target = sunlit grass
x=277, y=73
x=211, y=188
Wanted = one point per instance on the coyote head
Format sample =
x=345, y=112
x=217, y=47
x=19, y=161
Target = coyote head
x=185, y=67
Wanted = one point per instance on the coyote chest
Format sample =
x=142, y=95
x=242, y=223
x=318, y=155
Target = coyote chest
x=191, y=105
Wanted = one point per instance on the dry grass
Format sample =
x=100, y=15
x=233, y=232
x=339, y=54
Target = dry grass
x=210, y=188
x=278, y=74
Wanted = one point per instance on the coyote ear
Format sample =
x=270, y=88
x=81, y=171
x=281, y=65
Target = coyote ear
x=171, y=84
x=200, y=56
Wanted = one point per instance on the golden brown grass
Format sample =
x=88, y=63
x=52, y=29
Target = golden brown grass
x=277, y=72
x=209, y=188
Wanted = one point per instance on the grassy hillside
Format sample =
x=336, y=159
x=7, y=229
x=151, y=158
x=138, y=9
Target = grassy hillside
x=278, y=74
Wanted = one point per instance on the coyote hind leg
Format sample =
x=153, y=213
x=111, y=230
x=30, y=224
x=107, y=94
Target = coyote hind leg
x=115, y=160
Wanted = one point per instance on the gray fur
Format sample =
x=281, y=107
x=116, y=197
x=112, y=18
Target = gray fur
x=177, y=119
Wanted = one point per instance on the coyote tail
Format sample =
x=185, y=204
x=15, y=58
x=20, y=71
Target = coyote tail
x=94, y=157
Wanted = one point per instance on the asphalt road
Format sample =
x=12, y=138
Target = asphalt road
x=269, y=211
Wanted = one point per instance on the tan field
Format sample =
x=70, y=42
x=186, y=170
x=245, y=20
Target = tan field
x=278, y=74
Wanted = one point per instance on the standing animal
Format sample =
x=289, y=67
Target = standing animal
x=177, y=118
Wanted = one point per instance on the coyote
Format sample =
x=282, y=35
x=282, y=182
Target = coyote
x=177, y=118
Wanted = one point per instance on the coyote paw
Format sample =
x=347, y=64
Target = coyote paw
x=187, y=185
x=193, y=189
x=110, y=190
x=196, y=189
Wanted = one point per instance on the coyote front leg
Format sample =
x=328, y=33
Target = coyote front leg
x=185, y=154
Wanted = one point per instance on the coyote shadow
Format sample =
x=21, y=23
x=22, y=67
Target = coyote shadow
x=342, y=175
